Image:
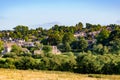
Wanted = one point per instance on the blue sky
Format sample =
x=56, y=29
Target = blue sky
x=66, y=12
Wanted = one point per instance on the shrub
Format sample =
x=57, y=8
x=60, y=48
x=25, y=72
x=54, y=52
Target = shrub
x=25, y=63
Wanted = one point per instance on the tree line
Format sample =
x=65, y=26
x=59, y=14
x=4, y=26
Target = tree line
x=86, y=63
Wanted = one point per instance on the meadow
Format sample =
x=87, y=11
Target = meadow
x=12, y=74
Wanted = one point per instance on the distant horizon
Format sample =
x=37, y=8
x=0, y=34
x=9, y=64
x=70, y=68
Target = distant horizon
x=50, y=25
x=64, y=12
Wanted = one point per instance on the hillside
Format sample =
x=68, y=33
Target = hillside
x=92, y=49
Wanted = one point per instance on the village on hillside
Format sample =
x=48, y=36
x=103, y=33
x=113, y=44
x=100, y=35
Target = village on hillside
x=9, y=40
x=91, y=49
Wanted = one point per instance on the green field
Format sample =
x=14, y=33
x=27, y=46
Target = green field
x=7, y=74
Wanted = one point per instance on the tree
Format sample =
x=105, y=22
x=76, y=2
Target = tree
x=114, y=35
x=66, y=47
x=115, y=46
x=103, y=36
x=17, y=49
x=100, y=49
x=79, y=45
x=54, y=39
x=79, y=26
x=88, y=25
x=25, y=63
x=26, y=38
x=1, y=46
x=45, y=63
x=47, y=49
x=55, y=27
x=68, y=38
x=21, y=30
x=88, y=63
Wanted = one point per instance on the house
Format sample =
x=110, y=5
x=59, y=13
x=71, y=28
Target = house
x=94, y=33
x=7, y=47
x=55, y=50
x=110, y=29
x=25, y=50
x=20, y=42
x=28, y=44
x=38, y=51
x=80, y=34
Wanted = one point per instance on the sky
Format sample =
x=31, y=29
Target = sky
x=63, y=12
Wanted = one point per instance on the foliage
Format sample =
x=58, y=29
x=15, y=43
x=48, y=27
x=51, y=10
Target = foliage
x=103, y=36
x=115, y=46
x=47, y=49
x=17, y=49
x=79, y=26
x=54, y=39
x=100, y=49
x=114, y=35
x=68, y=38
x=101, y=55
x=21, y=31
x=1, y=46
x=25, y=63
x=80, y=45
x=66, y=47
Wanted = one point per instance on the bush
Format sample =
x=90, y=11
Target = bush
x=10, y=55
x=25, y=63
x=7, y=63
x=100, y=49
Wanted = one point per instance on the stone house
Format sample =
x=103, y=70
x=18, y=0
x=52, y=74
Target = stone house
x=7, y=47
x=80, y=34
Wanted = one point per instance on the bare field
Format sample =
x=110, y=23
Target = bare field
x=8, y=74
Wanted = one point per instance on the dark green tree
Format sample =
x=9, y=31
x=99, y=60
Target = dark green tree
x=115, y=46
x=21, y=30
x=68, y=38
x=79, y=26
x=79, y=45
x=88, y=25
x=25, y=63
x=66, y=47
x=114, y=35
x=100, y=49
x=54, y=39
x=16, y=49
x=103, y=36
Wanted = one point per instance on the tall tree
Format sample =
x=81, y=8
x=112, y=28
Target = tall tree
x=103, y=36
x=79, y=26
x=88, y=25
x=114, y=35
x=68, y=38
x=67, y=47
x=54, y=39
x=79, y=45
x=21, y=30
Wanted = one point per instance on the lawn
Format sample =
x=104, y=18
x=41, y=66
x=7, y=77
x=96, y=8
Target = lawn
x=8, y=74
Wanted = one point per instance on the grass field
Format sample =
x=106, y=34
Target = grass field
x=7, y=74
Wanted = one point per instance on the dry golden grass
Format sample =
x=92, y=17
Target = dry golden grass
x=7, y=74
